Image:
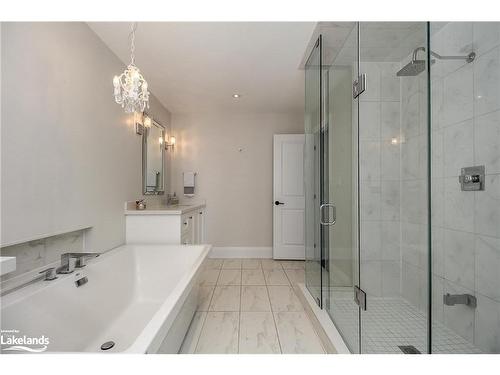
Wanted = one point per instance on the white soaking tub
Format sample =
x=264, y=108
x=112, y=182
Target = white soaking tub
x=141, y=297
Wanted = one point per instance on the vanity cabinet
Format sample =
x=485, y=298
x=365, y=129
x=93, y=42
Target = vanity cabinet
x=166, y=225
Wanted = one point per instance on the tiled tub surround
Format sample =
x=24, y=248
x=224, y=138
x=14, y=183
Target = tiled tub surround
x=466, y=225
x=250, y=306
x=34, y=255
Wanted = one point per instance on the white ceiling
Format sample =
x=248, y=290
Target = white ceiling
x=197, y=66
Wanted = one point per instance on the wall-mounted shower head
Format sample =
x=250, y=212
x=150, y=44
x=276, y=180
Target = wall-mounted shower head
x=416, y=66
x=413, y=68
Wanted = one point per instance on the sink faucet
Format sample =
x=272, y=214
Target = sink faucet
x=67, y=266
x=172, y=199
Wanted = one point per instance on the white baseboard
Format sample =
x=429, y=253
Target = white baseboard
x=241, y=252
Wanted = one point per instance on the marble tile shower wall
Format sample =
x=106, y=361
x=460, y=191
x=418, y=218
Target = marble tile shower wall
x=380, y=180
x=414, y=175
x=466, y=225
x=40, y=253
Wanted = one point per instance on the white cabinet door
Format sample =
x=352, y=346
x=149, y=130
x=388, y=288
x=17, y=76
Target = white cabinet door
x=196, y=227
x=201, y=225
x=192, y=229
x=288, y=200
x=187, y=224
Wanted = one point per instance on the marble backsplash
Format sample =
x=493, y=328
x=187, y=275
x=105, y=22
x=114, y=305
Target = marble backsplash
x=40, y=253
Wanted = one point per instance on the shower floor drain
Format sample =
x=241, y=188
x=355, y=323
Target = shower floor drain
x=107, y=345
x=409, y=349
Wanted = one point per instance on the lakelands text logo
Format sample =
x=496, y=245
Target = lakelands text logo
x=11, y=340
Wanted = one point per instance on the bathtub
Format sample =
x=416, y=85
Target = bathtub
x=141, y=297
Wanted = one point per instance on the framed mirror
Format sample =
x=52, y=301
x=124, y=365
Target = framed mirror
x=153, y=159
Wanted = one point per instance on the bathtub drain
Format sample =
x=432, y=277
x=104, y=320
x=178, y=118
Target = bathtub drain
x=107, y=345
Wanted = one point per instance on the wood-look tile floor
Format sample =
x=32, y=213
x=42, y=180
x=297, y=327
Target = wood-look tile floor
x=249, y=306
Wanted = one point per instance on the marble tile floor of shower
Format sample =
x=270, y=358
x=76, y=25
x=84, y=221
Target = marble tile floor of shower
x=249, y=306
x=392, y=322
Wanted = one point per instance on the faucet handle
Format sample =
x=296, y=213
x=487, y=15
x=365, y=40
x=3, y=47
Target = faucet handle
x=70, y=261
x=80, y=261
x=67, y=264
x=50, y=273
x=81, y=258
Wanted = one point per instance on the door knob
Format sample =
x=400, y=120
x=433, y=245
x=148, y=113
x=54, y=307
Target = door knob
x=277, y=203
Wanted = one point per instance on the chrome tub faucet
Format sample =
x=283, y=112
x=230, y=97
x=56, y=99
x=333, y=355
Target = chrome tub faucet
x=460, y=299
x=70, y=261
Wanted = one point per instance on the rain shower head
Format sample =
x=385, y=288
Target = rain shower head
x=416, y=66
x=413, y=68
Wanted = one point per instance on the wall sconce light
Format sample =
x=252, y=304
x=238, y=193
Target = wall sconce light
x=138, y=123
x=170, y=143
x=142, y=121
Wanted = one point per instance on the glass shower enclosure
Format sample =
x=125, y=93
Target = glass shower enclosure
x=402, y=184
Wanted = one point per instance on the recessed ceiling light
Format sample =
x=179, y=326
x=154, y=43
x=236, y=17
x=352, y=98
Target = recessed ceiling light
x=236, y=96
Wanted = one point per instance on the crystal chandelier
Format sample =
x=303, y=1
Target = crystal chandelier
x=130, y=88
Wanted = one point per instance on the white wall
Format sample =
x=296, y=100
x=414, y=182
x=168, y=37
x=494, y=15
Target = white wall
x=237, y=186
x=70, y=156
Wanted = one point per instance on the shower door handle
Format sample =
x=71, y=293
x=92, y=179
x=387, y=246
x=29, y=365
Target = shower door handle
x=321, y=215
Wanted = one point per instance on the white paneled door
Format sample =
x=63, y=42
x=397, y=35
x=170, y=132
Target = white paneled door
x=288, y=197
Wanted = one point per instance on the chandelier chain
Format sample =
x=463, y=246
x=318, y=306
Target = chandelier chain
x=132, y=43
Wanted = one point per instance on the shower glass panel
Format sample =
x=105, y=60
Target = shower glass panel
x=340, y=62
x=393, y=185
x=465, y=127
x=313, y=97
x=410, y=170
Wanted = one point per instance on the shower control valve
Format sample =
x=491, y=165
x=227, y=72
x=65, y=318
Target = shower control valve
x=472, y=178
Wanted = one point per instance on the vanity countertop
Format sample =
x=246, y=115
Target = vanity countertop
x=152, y=209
